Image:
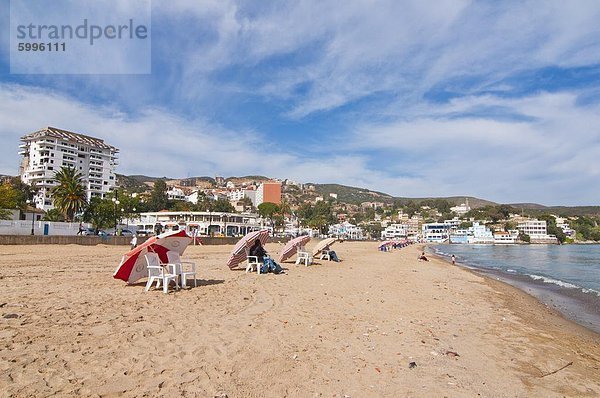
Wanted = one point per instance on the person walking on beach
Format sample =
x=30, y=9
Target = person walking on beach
x=453, y=259
x=80, y=229
x=133, y=242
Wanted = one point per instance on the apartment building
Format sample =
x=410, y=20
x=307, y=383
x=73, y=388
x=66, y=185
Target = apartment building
x=268, y=192
x=47, y=150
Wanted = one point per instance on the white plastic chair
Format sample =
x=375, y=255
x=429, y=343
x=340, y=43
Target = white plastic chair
x=252, y=262
x=180, y=268
x=303, y=256
x=325, y=255
x=159, y=272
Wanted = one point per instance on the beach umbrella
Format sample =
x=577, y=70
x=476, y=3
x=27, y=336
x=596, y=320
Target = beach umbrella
x=385, y=243
x=290, y=248
x=323, y=244
x=238, y=254
x=133, y=264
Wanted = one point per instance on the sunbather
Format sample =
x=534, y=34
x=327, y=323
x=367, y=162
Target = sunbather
x=332, y=255
x=269, y=265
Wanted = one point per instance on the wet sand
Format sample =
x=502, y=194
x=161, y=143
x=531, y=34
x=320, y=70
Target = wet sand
x=331, y=330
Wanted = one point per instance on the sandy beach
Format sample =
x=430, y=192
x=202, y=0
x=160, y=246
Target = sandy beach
x=346, y=329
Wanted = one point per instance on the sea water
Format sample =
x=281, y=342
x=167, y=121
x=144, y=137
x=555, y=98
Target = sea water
x=565, y=277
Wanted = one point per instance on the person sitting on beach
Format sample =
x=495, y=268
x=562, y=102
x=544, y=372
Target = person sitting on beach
x=332, y=255
x=422, y=257
x=269, y=265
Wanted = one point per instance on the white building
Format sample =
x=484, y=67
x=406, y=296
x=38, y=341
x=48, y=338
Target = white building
x=563, y=224
x=480, y=234
x=537, y=231
x=204, y=222
x=503, y=238
x=435, y=232
x=237, y=195
x=193, y=197
x=346, y=230
x=533, y=228
x=47, y=150
x=462, y=209
x=395, y=231
x=176, y=194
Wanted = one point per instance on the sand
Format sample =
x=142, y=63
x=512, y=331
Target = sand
x=332, y=330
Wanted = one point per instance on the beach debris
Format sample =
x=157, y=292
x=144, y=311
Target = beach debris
x=557, y=370
x=11, y=316
x=412, y=365
x=295, y=356
x=378, y=370
x=2, y=304
x=452, y=354
x=221, y=395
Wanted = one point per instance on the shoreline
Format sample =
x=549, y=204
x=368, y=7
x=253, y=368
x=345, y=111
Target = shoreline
x=561, y=301
x=331, y=329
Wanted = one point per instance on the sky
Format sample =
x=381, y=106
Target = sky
x=499, y=100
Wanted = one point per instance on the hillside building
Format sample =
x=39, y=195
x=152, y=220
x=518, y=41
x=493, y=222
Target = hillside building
x=47, y=150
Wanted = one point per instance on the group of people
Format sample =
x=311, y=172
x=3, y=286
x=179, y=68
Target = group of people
x=269, y=265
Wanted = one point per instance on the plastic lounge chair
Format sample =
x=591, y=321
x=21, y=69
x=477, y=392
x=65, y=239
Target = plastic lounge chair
x=325, y=255
x=252, y=262
x=159, y=272
x=303, y=256
x=182, y=268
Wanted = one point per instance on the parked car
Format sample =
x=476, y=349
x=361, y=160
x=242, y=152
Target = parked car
x=122, y=232
x=92, y=232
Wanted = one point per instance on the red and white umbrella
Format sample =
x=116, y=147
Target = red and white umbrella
x=385, y=243
x=238, y=253
x=290, y=248
x=133, y=265
x=323, y=244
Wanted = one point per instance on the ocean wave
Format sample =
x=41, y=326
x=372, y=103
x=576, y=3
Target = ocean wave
x=563, y=284
x=554, y=281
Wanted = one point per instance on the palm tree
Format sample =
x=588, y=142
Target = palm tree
x=69, y=195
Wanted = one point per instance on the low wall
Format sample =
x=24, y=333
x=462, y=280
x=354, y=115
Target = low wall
x=49, y=228
x=97, y=240
x=64, y=240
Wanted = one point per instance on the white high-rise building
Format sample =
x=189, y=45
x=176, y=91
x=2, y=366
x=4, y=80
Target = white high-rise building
x=47, y=150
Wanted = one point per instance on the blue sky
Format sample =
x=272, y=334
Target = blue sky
x=499, y=100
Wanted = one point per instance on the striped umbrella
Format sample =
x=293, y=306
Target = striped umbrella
x=290, y=248
x=323, y=244
x=133, y=265
x=238, y=254
x=385, y=243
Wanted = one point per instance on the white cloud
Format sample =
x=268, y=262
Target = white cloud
x=405, y=48
x=552, y=151
x=158, y=143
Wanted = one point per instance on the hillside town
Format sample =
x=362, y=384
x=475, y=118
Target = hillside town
x=232, y=206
